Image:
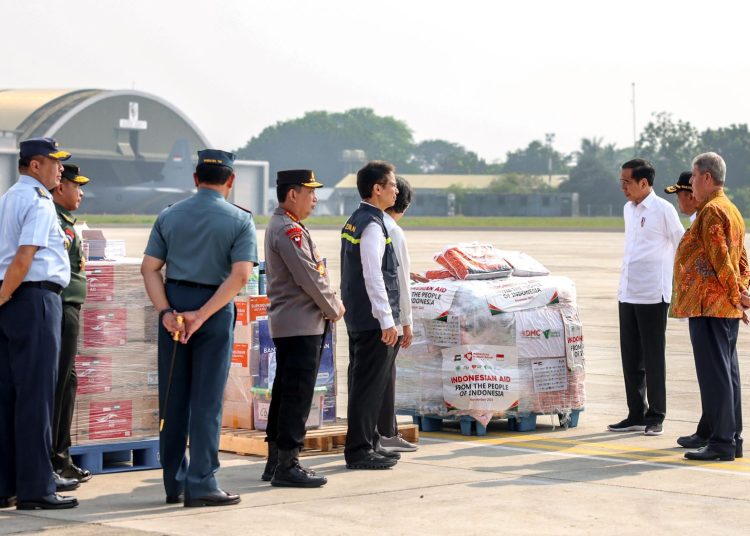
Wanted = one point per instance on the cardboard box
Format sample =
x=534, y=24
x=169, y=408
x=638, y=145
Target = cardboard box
x=240, y=365
x=115, y=281
x=94, y=374
x=329, y=408
x=237, y=415
x=111, y=326
x=243, y=333
x=106, y=417
x=238, y=388
x=251, y=308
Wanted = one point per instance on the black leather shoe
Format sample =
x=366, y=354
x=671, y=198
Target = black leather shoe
x=290, y=474
x=738, y=447
x=692, y=441
x=65, y=484
x=388, y=454
x=217, y=498
x=175, y=499
x=708, y=454
x=371, y=460
x=76, y=473
x=7, y=502
x=271, y=463
x=48, y=502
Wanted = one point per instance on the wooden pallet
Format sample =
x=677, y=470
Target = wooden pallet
x=328, y=439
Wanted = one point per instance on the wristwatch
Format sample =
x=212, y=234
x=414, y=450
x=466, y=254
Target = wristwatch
x=165, y=311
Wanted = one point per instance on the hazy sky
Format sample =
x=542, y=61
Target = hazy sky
x=490, y=75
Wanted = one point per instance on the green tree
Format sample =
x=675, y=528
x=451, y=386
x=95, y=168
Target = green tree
x=733, y=144
x=440, y=156
x=316, y=141
x=595, y=176
x=535, y=160
x=670, y=145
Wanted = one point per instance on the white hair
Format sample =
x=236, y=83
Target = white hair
x=714, y=164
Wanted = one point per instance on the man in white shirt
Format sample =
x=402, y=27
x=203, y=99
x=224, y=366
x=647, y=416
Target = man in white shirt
x=652, y=234
x=390, y=439
x=370, y=292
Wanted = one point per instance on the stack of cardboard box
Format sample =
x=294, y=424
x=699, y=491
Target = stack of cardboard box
x=117, y=357
x=254, y=366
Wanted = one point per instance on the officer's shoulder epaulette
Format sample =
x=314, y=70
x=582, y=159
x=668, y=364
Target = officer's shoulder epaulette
x=67, y=218
x=42, y=192
x=243, y=209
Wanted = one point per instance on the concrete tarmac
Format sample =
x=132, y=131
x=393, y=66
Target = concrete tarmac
x=583, y=480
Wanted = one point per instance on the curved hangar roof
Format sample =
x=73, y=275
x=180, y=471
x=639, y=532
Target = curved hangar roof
x=98, y=123
x=138, y=149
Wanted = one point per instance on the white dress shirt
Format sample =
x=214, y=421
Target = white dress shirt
x=693, y=216
x=371, y=250
x=652, y=232
x=404, y=268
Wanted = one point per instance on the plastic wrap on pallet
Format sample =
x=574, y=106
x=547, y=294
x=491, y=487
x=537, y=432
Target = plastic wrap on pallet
x=116, y=365
x=493, y=347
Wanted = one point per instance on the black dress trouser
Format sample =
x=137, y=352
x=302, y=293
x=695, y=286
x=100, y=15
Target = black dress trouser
x=715, y=351
x=370, y=369
x=297, y=363
x=67, y=384
x=387, y=426
x=643, y=347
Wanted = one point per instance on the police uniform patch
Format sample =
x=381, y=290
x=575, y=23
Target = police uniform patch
x=295, y=235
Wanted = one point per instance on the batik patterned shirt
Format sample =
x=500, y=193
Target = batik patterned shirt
x=710, y=267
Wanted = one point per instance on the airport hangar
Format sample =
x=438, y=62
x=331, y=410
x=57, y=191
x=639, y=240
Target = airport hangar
x=138, y=149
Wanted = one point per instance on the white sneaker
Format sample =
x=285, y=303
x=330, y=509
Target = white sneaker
x=397, y=444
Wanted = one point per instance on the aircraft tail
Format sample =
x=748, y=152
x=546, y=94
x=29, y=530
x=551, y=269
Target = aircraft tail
x=179, y=164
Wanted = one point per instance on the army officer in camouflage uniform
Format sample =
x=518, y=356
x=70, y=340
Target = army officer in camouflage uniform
x=67, y=197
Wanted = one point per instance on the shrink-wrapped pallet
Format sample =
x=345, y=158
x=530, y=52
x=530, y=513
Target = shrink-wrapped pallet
x=493, y=347
x=116, y=364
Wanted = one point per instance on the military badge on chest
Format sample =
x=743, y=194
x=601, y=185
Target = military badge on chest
x=70, y=237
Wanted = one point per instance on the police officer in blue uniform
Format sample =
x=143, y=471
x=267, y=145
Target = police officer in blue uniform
x=209, y=248
x=34, y=269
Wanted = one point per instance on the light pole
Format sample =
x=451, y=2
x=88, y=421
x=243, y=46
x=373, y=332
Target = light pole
x=549, y=137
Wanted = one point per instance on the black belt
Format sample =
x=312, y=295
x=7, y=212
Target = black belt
x=190, y=284
x=46, y=285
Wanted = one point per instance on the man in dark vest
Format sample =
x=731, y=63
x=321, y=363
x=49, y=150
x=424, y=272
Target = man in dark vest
x=369, y=290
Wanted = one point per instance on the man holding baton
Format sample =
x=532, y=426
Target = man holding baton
x=209, y=248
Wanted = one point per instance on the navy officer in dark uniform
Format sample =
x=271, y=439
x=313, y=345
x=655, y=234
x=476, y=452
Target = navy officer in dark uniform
x=209, y=248
x=34, y=269
x=67, y=197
